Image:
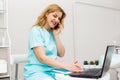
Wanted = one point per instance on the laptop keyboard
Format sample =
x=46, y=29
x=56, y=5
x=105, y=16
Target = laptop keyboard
x=92, y=71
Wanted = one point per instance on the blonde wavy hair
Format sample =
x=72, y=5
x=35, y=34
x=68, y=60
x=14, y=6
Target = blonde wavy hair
x=41, y=20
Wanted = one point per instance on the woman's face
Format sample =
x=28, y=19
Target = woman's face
x=54, y=18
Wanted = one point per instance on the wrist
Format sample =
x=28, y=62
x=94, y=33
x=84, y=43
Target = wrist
x=56, y=37
x=67, y=67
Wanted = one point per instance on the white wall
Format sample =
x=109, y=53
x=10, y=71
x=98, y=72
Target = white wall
x=107, y=3
x=96, y=25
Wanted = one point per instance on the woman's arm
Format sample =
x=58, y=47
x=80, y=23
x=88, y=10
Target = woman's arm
x=40, y=54
x=60, y=47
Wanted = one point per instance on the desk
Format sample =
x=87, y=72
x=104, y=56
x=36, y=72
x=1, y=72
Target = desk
x=64, y=77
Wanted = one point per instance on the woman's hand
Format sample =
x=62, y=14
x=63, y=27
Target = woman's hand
x=58, y=30
x=74, y=67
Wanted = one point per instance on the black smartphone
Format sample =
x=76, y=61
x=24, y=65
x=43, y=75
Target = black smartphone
x=57, y=26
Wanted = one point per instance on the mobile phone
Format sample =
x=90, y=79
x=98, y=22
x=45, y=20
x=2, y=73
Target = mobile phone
x=57, y=26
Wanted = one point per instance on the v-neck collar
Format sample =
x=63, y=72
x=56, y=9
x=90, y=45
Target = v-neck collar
x=48, y=32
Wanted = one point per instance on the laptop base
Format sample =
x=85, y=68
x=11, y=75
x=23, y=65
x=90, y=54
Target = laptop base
x=89, y=73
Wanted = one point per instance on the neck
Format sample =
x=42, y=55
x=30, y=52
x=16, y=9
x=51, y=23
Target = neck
x=47, y=27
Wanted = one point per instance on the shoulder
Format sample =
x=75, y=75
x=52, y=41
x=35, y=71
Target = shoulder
x=36, y=29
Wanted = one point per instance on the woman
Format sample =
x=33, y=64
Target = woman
x=45, y=46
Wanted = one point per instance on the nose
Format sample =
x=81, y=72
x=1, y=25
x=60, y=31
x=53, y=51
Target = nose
x=57, y=20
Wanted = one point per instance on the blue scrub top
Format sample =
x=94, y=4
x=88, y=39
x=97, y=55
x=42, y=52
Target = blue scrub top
x=35, y=69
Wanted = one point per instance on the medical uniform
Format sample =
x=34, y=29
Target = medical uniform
x=34, y=69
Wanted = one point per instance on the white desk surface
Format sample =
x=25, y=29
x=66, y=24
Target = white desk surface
x=67, y=77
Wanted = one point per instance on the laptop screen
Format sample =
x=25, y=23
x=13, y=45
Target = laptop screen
x=107, y=60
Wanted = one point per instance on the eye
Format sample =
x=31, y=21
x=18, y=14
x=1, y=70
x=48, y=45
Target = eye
x=55, y=16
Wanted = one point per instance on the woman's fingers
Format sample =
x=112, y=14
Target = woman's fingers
x=75, y=62
x=60, y=25
x=79, y=68
x=75, y=67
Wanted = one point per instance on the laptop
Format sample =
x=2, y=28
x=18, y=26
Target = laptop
x=97, y=72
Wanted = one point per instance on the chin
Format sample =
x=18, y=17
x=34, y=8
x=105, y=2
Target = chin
x=52, y=27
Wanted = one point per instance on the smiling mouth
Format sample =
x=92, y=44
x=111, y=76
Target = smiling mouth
x=54, y=23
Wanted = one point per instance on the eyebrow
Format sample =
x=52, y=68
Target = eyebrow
x=57, y=15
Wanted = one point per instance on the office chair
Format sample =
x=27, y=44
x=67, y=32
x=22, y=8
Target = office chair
x=17, y=59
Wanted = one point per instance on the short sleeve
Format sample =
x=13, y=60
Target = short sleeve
x=35, y=38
